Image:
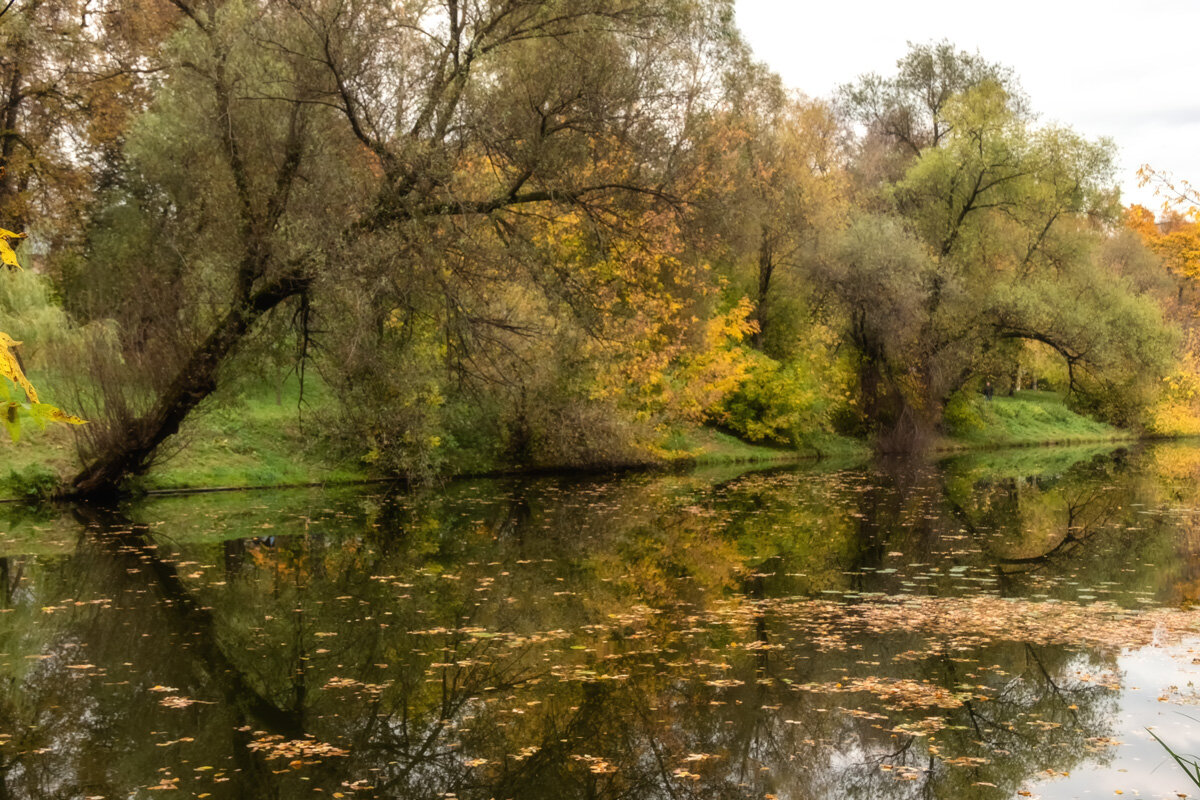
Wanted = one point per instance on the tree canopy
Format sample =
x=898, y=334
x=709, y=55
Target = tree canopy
x=533, y=232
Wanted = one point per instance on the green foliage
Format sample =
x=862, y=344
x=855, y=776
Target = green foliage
x=1117, y=341
x=394, y=401
x=1011, y=218
x=962, y=415
x=31, y=483
x=1027, y=418
x=910, y=107
x=787, y=402
x=776, y=403
x=1189, y=764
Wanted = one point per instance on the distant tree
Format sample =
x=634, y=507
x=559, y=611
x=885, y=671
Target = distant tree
x=1175, y=239
x=909, y=108
x=72, y=75
x=784, y=194
x=1012, y=217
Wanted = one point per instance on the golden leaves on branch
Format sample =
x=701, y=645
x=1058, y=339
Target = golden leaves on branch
x=1174, y=191
x=11, y=410
x=11, y=368
x=8, y=256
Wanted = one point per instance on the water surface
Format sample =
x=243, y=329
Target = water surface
x=983, y=627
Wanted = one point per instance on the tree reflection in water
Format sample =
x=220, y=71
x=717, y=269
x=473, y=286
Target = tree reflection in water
x=644, y=637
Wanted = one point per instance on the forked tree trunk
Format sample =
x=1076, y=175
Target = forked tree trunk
x=135, y=447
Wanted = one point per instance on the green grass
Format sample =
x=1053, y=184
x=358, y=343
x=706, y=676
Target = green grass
x=26, y=464
x=251, y=440
x=1025, y=419
x=708, y=446
x=243, y=441
x=255, y=439
x=1023, y=462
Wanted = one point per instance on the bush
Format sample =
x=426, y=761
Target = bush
x=34, y=483
x=962, y=415
x=781, y=402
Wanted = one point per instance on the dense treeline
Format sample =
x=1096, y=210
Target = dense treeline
x=552, y=233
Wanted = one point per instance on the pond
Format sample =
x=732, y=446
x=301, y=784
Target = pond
x=991, y=626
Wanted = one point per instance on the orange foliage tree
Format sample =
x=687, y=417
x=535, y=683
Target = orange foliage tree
x=1175, y=238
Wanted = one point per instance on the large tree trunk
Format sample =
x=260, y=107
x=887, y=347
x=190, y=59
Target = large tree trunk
x=8, y=144
x=137, y=444
x=766, y=269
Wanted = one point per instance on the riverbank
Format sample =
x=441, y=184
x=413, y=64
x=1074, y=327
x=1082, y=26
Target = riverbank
x=266, y=439
x=1029, y=418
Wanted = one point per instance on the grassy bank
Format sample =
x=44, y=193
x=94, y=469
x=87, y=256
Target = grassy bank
x=708, y=446
x=254, y=443
x=1027, y=418
x=262, y=438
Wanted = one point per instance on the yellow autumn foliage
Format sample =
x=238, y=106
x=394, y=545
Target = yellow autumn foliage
x=11, y=368
x=1176, y=240
x=11, y=409
x=1177, y=412
x=8, y=256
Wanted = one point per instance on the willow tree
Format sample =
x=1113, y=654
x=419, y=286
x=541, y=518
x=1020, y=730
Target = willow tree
x=1017, y=216
x=296, y=147
x=1013, y=218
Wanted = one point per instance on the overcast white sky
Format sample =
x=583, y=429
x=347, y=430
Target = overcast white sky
x=1105, y=68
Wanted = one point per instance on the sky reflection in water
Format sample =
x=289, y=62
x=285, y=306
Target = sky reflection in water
x=978, y=628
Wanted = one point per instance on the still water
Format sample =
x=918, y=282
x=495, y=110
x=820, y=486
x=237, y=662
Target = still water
x=996, y=626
